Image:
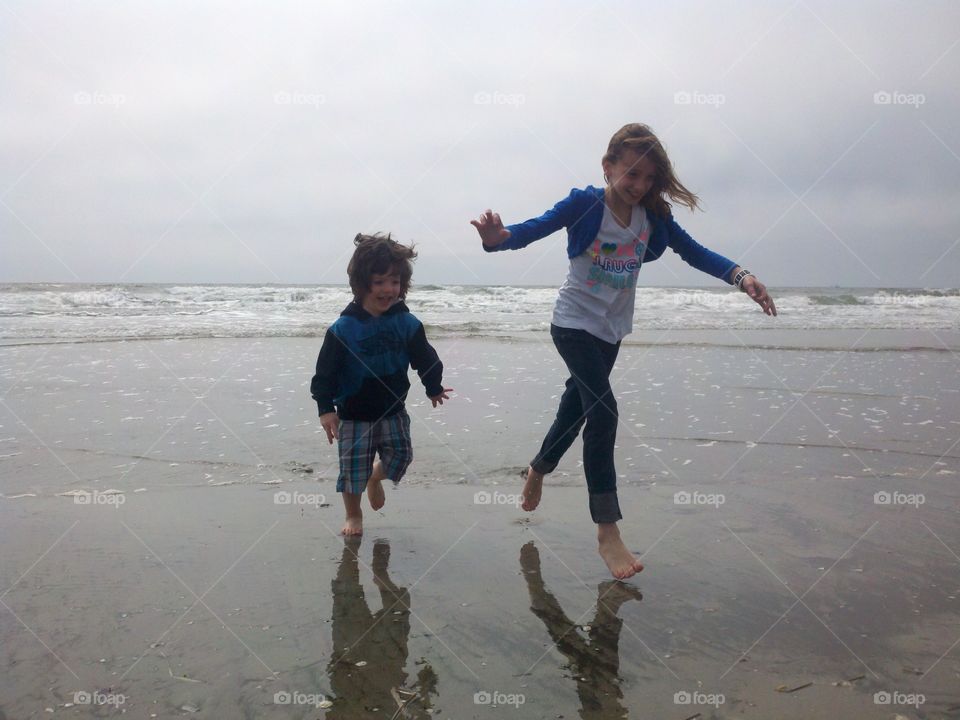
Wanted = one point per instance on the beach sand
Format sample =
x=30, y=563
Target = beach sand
x=186, y=586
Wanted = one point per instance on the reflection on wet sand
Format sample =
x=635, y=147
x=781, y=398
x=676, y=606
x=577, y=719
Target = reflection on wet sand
x=377, y=641
x=594, y=661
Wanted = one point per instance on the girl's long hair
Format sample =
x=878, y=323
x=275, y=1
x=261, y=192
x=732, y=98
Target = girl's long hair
x=641, y=138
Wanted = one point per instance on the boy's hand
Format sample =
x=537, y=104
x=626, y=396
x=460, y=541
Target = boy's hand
x=438, y=399
x=330, y=423
x=491, y=229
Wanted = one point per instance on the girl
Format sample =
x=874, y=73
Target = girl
x=611, y=232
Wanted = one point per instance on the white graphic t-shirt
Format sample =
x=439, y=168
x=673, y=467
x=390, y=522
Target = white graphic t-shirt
x=601, y=286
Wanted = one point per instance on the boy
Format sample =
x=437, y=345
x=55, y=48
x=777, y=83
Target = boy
x=361, y=380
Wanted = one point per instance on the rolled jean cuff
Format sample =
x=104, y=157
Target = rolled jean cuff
x=542, y=466
x=605, y=507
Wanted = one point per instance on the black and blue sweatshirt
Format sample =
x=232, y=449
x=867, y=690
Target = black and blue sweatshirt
x=363, y=363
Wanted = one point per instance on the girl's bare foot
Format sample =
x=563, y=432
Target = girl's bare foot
x=532, y=489
x=619, y=560
x=375, y=493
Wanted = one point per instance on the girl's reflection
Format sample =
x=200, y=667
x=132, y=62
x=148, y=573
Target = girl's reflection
x=376, y=640
x=594, y=662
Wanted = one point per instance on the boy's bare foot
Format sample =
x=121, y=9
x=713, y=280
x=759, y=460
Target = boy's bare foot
x=619, y=560
x=375, y=493
x=532, y=489
x=352, y=526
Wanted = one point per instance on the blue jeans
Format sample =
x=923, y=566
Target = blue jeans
x=587, y=399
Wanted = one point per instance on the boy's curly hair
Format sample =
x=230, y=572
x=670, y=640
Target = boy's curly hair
x=378, y=254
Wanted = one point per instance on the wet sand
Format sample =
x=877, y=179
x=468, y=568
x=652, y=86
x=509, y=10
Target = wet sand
x=204, y=593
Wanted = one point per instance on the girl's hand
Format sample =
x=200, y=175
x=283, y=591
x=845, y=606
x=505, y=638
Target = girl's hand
x=438, y=399
x=758, y=291
x=330, y=423
x=491, y=229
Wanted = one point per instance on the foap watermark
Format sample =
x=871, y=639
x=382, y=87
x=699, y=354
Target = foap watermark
x=895, y=97
x=895, y=298
x=484, y=97
x=495, y=698
x=696, y=97
x=294, y=97
x=684, y=497
x=113, y=100
x=285, y=697
x=496, y=498
x=695, y=297
x=685, y=697
x=99, y=697
x=282, y=497
x=109, y=497
x=898, y=698
x=898, y=498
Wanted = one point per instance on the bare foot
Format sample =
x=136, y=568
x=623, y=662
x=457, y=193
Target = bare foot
x=352, y=526
x=375, y=493
x=619, y=560
x=532, y=490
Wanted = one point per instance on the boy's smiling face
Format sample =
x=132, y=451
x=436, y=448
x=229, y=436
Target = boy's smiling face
x=383, y=293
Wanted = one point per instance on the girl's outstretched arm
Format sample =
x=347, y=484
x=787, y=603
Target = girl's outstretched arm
x=491, y=229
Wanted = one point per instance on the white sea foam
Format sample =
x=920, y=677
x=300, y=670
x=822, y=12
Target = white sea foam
x=97, y=312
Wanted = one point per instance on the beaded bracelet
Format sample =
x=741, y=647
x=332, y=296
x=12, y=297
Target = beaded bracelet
x=738, y=280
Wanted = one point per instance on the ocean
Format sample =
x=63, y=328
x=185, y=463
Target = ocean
x=99, y=312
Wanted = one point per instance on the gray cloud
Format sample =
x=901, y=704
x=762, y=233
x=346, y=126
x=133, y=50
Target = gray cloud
x=223, y=144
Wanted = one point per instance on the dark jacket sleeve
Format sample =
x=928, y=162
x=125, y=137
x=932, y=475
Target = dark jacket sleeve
x=424, y=359
x=323, y=387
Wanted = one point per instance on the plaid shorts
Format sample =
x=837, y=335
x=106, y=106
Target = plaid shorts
x=361, y=440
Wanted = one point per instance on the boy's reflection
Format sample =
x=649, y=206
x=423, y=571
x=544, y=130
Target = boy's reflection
x=378, y=639
x=594, y=664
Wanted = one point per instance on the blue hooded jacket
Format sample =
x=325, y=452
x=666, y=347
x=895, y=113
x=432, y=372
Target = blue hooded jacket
x=581, y=213
x=362, y=366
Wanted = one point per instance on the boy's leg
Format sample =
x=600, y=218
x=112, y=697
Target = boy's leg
x=392, y=438
x=375, y=493
x=353, y=523
x=356, y=464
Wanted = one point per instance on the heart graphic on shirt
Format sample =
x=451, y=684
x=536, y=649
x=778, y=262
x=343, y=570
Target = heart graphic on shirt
x=608, y=248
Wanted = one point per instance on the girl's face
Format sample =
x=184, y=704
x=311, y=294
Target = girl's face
x=630, y=177
x=383, y=293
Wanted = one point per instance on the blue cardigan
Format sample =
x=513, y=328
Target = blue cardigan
x=581, y=212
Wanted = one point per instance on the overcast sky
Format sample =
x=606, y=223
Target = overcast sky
x=205, y=142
